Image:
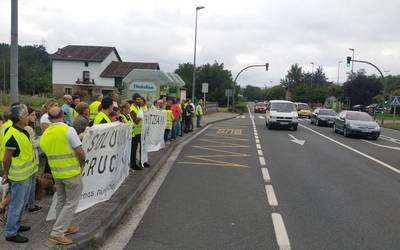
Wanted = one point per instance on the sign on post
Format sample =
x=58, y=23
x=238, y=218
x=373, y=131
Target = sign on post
x=204, y=87
x=395, y=100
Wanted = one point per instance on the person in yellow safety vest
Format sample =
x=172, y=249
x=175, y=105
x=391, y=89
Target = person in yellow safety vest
x=64, y=151
x=19, y=167
x=168, y=127
x=106, y=108
x=3, y=129
x=199, y=113
x=75, y=101
x=127, y=119
x=137, y=130
x=94, y=107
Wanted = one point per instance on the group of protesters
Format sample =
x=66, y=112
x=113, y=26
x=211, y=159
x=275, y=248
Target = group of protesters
x=62, y=128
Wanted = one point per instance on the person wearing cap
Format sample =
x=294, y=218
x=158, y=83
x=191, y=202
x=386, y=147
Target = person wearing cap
x=94, y=107
x=63, y=148
x=19, y=168
x=106, y=108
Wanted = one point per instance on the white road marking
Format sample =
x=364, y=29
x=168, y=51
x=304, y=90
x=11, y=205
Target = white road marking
x=122, y=236
x=265, y=174
x=391, y=139
x=262, y=161
x=261, y=117
x=295, y=140
x=280, y=232
x=257, y=141
x=260, y=152
x=355, y=150
x=273, y=202
x=382, y=146
x=256, y=137
x=258, y=146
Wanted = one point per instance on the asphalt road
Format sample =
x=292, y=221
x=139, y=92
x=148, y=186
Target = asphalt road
x=241, y=186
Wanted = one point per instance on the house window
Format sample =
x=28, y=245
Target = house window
x=86, y=64
x=86, y=76
x=118, y=82
x=68, y=91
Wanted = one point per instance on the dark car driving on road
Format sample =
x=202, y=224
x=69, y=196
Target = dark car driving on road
x=323, y=117
x=356, y=123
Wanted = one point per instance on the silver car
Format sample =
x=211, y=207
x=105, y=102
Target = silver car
x=356, y=123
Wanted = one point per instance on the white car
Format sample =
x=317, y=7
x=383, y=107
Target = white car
x=281, y=113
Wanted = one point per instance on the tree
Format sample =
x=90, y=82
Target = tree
x=275, y=93
x=361, y=88
x=218, y=79
x=293, y=77
x=253, y=93
x=391, y=83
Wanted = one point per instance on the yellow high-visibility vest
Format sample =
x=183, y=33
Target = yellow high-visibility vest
x=127, y=119
x=94, y=109
x=100, y=116
x=137, y=127
x=62, y=160
x=23, y=166
x=169, y=118
x=3, y=129
x=74, y=114
x=199, y=110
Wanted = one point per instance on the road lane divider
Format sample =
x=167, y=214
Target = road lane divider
x=258, y=146
x=260, y=152
x=354, y=150
x=265, y=173
x=262, y=161
x=381, y=146
x=280, y=232
x=273, y=202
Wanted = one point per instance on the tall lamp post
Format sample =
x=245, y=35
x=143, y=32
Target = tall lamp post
x=312, y=72
x=194, y=56
x=14, y=52
x=352, y=64
x=338, y=71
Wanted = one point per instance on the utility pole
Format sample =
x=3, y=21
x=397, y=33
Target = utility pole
x=194, y=56
x=14, y=52
x=352, y=64
x=4, y=75
x=338, y=71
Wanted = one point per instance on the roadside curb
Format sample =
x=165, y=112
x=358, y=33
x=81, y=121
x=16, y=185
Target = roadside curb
x=105, y=217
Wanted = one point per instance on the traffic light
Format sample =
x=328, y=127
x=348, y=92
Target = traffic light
x=348, y=61
x=266, y=66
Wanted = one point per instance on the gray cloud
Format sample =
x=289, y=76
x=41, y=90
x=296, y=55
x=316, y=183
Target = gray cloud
x=281, y=32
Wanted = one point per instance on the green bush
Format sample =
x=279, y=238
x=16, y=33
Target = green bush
x=241, y=107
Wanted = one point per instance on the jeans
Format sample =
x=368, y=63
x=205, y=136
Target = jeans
x=173, y=131
x=20, y=191
x=32, y=193
x=68, y=195
x=177, y=128
x=198, y=121
x=134, y=148
x=167, y=133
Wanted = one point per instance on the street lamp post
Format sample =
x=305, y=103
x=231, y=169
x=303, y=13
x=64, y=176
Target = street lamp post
x=338, y=71
x=194, y=56
x=14, y=52
x=352, y=64
x=312, y=72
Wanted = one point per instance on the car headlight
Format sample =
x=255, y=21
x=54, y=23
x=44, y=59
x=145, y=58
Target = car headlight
x=322, y=118
x=377, y=128
x=352, y=126
x=294, y=119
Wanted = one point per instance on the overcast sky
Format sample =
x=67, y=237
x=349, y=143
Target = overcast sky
x=236, y=33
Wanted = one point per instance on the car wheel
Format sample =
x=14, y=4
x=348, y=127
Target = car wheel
x=294, y=127
x=311, y=122
x=345, y=133
x=375, y=137
x=266, y=124
x=316, y=123
x=269, y=126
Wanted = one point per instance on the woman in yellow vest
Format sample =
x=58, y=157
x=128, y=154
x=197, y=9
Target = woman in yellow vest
x=106, y=109
x=19, y=167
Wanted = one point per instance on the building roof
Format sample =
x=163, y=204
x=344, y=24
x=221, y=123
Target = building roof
x=84, y=53
x=122, y=69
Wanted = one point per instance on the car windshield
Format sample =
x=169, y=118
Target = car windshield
x=282, y=107
x=303, y=106
x=359, y=116
x=327, y=112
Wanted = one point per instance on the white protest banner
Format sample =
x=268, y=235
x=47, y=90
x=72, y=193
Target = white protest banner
x=153, y=127
x=108, y=150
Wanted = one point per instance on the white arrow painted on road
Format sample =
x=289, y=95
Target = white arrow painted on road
x=295, y=140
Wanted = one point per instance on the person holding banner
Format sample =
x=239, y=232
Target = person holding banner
x=94, y=107
x=135, y=111
x=64, y=151
x=106, y=108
